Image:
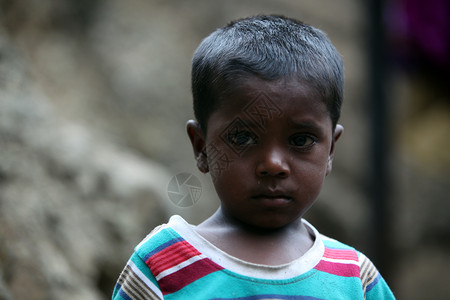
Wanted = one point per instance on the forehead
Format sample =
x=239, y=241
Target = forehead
x=285, y=97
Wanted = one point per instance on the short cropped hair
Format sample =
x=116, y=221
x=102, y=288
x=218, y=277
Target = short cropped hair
x=268, y=47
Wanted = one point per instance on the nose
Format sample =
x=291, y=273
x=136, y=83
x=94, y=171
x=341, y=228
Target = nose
x=273, y=164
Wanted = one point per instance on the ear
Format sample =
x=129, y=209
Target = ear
x=197, y=138
x=337, y=134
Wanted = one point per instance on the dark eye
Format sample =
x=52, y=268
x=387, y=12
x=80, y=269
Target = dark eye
x=302, y=140
x=242, y=138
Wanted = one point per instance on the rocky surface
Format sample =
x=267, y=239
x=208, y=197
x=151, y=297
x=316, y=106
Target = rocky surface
x=72, y=202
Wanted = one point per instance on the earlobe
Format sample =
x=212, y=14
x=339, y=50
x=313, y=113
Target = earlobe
x=197, y=139
x=336, y=135
x=202, y=163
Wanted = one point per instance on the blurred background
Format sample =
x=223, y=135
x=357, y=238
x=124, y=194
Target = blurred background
x=94, y=98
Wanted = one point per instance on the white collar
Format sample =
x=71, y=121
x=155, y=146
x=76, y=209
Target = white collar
x=285, y=271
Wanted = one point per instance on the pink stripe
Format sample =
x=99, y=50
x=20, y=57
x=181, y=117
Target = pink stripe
x=345, y=270
x=341, y=254
x=181, y=278
x=171, y=256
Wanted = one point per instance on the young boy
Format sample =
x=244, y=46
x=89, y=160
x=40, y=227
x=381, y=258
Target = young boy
x=267, y=95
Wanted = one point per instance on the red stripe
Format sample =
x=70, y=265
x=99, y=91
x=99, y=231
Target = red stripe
x=161, y=265
x=345, y=270
x=171, y=256
x=181, y=278
x=341, y=254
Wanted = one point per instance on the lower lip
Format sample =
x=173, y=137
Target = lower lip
x=273, y=201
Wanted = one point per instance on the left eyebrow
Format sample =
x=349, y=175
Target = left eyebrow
x=306, y=125
x=247, y=123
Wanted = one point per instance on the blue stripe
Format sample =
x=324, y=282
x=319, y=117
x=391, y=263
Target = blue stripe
x=337, y=245
x=374, y=282
x=124, y=295
x=161, y=247
x=272, y=296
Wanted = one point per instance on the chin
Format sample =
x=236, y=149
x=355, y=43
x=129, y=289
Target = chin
x=269, y=224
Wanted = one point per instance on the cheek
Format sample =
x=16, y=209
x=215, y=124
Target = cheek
x=219, y=160
x=310, y=179
x=227, y=178
x=228, y=172
x=313, y=166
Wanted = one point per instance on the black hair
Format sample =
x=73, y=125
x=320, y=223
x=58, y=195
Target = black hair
x=268, y=47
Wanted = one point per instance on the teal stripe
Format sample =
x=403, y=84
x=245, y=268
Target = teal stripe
x=274, y=296
x=336, y=245
x=380, y=291
x=223, y=284
x=156, y=240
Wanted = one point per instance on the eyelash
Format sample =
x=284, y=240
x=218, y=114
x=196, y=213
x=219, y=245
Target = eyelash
x=309, y=141
x=243, y=138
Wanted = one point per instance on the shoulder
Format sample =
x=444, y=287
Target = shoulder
x=138, y=277
x=333, y=243
x=373, y=284
x=339, y=259
x=159, y=238
x=152, y=260
x=335, y=249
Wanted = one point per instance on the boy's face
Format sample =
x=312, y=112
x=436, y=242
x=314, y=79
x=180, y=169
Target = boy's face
x=268, y=148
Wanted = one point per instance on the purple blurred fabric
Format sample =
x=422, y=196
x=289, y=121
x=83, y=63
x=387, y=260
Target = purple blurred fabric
x=418, y=33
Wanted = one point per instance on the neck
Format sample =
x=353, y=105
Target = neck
x=223, y=221
x=257, y=245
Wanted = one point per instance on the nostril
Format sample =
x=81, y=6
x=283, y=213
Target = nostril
x=282, y=174
x=277, y=174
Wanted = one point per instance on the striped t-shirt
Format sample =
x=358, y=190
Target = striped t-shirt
x=175, y=262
